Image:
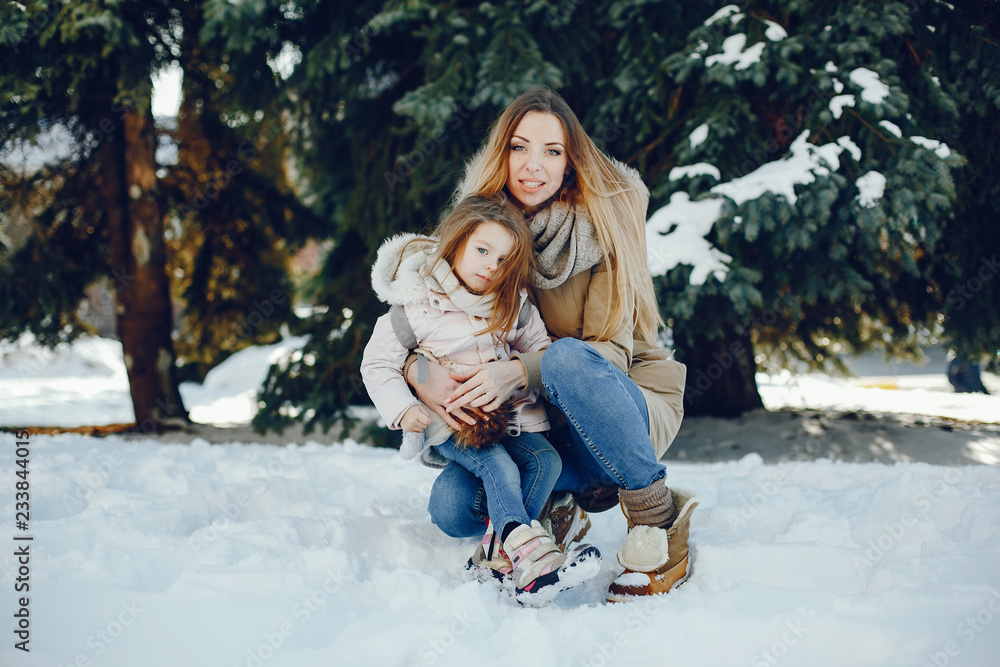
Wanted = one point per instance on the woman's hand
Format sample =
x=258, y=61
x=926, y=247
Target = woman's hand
x=435, y=393
x=486, y=386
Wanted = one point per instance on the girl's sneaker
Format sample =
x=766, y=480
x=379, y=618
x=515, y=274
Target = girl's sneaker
x=541, y=570
x=490, y=561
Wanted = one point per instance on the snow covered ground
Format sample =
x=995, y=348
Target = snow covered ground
x=155, y=553
x=85, y=383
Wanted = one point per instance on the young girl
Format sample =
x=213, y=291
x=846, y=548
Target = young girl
x=462, y=291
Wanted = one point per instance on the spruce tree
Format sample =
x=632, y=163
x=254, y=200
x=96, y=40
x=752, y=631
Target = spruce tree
x=84, y=72
x=231, y=206
x=845, y=260
x=392, y=98
x=218, y=215
x=882, y=110
x=839, y=258
x=964, y=52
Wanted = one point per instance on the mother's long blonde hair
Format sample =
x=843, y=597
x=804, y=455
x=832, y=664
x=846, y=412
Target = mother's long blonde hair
x=613, y=195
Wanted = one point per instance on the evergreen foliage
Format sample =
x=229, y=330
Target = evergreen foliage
x=836, y=270
x=80, y=76
x=83, y=72
x=345, y=123
x=966, y=59
x=392, y=99
x=833, y=272
x=231, y=205
x=51, y=246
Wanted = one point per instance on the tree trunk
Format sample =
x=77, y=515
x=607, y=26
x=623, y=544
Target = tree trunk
x=720, y=374
x=144, y=316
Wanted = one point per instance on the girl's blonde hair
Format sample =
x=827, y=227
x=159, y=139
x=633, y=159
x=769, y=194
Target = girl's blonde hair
x=518, y=267
x=615, y=200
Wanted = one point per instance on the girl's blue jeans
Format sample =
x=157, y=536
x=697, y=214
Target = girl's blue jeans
x=605, y=441
x=513, y=478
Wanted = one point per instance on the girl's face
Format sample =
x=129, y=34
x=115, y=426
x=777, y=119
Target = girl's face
x=537, y=160
x=484, y=250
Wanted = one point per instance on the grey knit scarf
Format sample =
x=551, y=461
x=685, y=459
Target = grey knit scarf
x=565, y=243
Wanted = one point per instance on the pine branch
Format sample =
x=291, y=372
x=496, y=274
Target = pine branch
x=888, y=142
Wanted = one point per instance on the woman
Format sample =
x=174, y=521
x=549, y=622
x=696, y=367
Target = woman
x=616, y=399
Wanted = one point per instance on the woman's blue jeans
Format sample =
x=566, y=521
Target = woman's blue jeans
x=513, y=478
x=604, y=443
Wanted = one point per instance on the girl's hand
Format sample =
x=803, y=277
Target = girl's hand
x=415, y=419
x=487, y=386
x=434, y=393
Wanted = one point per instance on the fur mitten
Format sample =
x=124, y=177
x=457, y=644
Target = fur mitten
x=490, y=428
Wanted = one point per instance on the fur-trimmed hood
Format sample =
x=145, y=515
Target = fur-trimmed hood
x=632, y=176
x=397, y=276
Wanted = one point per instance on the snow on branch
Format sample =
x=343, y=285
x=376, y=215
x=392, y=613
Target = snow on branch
x=872, y=89
x=733, y=53
x=801, y=166
x=675, y=234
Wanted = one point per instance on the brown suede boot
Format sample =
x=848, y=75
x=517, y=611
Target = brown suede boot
x=655, y=558
x=564, y=519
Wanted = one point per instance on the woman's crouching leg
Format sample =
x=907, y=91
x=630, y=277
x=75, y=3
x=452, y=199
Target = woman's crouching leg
x=458, y=502
x=607, y=414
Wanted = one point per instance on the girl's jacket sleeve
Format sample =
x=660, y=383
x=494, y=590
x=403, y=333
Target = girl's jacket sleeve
x=382, y=372
x=533, y=337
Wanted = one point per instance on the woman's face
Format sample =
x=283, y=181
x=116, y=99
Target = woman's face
x=537, y=160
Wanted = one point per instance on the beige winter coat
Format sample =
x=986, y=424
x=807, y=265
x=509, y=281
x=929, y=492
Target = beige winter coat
x=576, y=309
